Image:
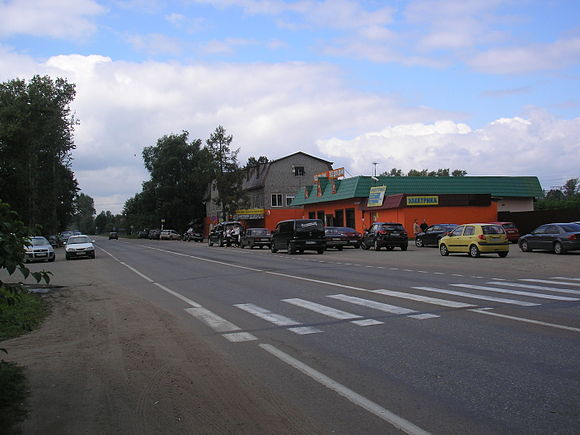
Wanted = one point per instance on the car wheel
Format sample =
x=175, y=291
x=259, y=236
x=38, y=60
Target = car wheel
x=419, y=243
x=67, y=256
x=291, y=249
x=559, y=249
x=473, y=251
x=339, y=248
x=321, y=250
x=390, y=248
x=524, y=246
x=376, y=245
x=241, y=245
x=404, y=247
x=502, y=254
x=50, y=260
x=443, y=249
x=273, y=248
x=364, y=246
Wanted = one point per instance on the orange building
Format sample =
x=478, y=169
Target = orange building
x=359, y=201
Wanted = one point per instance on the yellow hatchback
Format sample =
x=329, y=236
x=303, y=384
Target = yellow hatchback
x=475, y=239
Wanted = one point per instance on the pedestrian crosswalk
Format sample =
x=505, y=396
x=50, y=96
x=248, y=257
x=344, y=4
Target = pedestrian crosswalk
x=372, y=308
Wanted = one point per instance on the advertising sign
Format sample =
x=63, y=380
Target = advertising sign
x=376, y=196
x=250, y=213
x=422, y=200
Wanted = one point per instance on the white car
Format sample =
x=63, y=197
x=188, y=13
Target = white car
x=38, y=249
x=79, y=246
x=169, y=235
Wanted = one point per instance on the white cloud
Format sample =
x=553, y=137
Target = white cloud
x=57, y=18
x=155, y=44
x=537, y=145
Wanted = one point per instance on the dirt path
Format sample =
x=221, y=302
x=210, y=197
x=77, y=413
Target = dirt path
x=107, y=361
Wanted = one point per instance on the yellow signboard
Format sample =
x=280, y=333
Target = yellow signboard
x=250, y=213
x=422, y=200
x=376, y=196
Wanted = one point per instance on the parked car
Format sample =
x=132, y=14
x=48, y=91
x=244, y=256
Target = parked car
x=557, y=237
x=63, y=237
x=190, y=235
x=511, y=230
x=154, y=234
x=169, y=235
x=225, y=233
x=143, y=234
x=113, y=235
x=475, y=239
x=299, y=235
x=38, y=249
x=256, y=237
x=431, y=236
x=339, y=237
x=53, y=240
x=79, y=246
x=385, y=234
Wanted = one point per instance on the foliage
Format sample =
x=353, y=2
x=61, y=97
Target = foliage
x=36, y=141
x=394, y=172
x=13, y=393
x=567, y=196
x=84, y=217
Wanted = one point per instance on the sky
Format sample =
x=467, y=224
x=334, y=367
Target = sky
x=488, y=86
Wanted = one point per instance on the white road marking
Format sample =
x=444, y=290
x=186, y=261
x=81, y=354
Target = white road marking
x=565, y=278
x=547, y=281
x=277, y=319
x=215, y=322
x=426, y=299
x=331, y=312
x=540, y=287
x=520, y=319
x=474, y=296
x=239, y=337
x=361, y=401
x=516, y=292
x=375, y=305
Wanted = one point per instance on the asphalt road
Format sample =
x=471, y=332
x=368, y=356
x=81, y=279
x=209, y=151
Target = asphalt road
x=381, y=342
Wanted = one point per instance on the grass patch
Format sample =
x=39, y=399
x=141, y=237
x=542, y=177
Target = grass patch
x=20, y=313
x=25, y=314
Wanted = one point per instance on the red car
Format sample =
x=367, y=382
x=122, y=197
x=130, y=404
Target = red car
x=512, y=232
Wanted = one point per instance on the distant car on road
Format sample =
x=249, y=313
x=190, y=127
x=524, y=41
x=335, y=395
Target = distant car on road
x=340, y=237
x=475, y=239
x=385, y=234
x=299, y=235
x=79, y=246
x=154, y=234
x=225, y=233
x=143, y=234
x=256, y=237
x=431, y=236
x=511, y=230
x=38, y=249
x=556, y=237
x=169, y=235
x=113, y=235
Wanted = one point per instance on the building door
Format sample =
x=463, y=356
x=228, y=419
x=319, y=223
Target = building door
x=339, y=218
x=350, y=219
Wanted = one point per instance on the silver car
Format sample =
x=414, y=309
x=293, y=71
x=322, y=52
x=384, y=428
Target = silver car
x=79, y=246
x=38, y=249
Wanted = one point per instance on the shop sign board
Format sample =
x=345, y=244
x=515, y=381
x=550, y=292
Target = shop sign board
x=250, y=213
x=376, y=196
x=422, y=200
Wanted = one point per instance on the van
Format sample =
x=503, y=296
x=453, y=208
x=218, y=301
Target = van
x=299, y=235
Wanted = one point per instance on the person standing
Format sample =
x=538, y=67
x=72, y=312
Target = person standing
x=416, y=227
x=424, y=225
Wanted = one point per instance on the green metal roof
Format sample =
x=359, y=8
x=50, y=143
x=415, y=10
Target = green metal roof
x=358, y=187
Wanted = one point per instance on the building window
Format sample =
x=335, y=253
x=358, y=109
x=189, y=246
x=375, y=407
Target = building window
x=311, y=215
x=277, y=200
x=289, y=199
x=298, y=171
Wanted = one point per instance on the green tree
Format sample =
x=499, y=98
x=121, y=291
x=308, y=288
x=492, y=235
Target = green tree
x=85, y=213
x=226, y=172
x=36, y=141
x=570, y=188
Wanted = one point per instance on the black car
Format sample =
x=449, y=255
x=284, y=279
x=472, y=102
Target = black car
x=225, y=234
x=431, y=236
x=256, y=237
x=299, y=235
x=144, y=234
x=339, y=237
x=557, y=237
x=154, y=234
x=113, y=235
x=191, y=234
x=385, y=234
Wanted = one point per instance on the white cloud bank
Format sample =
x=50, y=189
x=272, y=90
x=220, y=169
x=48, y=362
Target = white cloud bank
x=275, y=110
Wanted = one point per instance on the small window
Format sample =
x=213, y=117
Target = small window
x=469, y=231
x=277, y=200
x=298, y=171
x=457, y=231
x=289, y=199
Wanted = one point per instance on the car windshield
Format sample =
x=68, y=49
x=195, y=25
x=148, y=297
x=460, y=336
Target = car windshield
x=509, y=225
x=392, y=227
x=309, y=225
x=260, y=232
x=571, y=228
x=346, y=230
x=78, y=239
x=332, y=231
x=38, y=241
x=492, y=229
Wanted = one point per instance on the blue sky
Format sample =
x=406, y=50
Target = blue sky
x=488, y=86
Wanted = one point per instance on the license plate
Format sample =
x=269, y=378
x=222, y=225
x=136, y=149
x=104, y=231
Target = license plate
x=310, y=242
x=41, y=254
x=336, y=238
